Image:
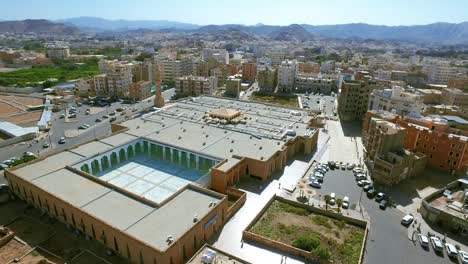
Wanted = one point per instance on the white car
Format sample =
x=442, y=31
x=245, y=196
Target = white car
x=463, y=257
x=451, y=250
x=407, y=220
x=423, y=240
x=437, y=244
x=345, y=204
x=332, y=200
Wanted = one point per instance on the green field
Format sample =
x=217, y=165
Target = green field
x=289, y=101
x=37, y=74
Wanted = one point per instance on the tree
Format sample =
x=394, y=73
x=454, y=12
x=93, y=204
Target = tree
x=327, y=199
x=339, y=203
x=307, y=243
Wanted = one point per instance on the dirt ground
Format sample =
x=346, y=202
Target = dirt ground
x=14, y=109
x=11, y=250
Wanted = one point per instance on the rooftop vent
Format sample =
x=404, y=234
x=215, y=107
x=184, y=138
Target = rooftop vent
x=195, y=218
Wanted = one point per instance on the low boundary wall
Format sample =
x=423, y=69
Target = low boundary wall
x=241, y=198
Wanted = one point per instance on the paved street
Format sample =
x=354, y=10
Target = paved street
x=325, y=103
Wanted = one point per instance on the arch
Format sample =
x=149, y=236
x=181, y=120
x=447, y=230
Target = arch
x=116, y=246
x=105, y=163
x=113, y=159
x=122, y=155
x=130, y=152
x=95, y=167
x=145, y=147
x=138, y=150
x=85, y=168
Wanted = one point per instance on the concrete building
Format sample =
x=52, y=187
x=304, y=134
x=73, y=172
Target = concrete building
x=383, y=75
x=267, y=79
x=446, y=207
x=353, y=96
x=396, y=100
x=286, y=76
x=439, y=73
x=85, y=87
x=100, y=85
x=140, y=90
x=443, y=139
x=430, y=96
x=460, y=83
x=118, y=75
x=327, y=66
x=453, y=96
x=172, y=69
x=276, y=57
x=249, y=72
x=385, y=155
x=58, y=51
x=308, y=67
x=233, y=86
x=195, y=85
x=220, y=55
x=316, y=83
x=144, y=192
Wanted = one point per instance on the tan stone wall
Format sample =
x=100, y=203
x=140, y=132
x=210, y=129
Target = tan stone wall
x=128, y=246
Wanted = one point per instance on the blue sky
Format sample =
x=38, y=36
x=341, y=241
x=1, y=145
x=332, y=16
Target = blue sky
x=284, y=12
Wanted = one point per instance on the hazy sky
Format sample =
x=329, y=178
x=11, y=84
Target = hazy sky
x=283, y=12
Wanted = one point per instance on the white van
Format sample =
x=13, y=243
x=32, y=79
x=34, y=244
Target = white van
x=345, y=204
x=332, y=200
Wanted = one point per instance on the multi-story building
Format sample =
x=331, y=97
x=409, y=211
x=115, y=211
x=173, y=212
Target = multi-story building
x=119, y=77
x=460, y=83
x=195, y=85
x=233, y=86
x=328, y=66
x=316, y=83
x=396, y=100
x=453, y=96
x=267, y=78
x=286, y=76
x=85, y=87
x=100, y=84
x=220, y=55
x=353, y=96
x=140, y=90
x=385, y=155
x=443, y=139
x=383, y=75
x=143, y=71
x=171, y=69
x=249, y=72
x=439, y=73
x=430, y=96
x=58, y=51
x=276, y=57
x=399, y=75
x=308, y=67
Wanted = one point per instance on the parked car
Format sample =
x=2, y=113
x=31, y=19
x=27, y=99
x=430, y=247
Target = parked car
x=463, y=257
x=357, y=170
x=423, y=240
x=371, y=193
x=407, y=220
x=383, y=204
x=112, y=113
x=8, y=162
x=366, y=182
x=332, y=200
x=3, y=166
x=28, y=154
x=62, y=140
x=452, y=252
x=316, y=184
x=437, y=244
x=46, y=145
x=368, y=187
x=112, y=119
x=380, y=196
x=62, y=116
x=351, y=166
x=360, y=183
x=87, y=112
x=105, y=116
x=72, y=116
x=345, y=204
x=98, y=120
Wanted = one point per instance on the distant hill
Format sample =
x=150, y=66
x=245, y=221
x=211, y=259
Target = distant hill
x=100, y=24
x=37, y=26
x=291, y=33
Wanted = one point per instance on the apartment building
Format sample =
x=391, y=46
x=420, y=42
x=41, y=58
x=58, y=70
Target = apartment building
x=316, y=83
x=85, y=87
x=100, y=84
x=308, y=67
x=140, y=90
x=439, y=73
x=119, y=77
x=460, y=83
x=353, y=97
x=276, y=57
x=397, y=100
x=58, y=51
x=443, y=139
x=220, y=55
x=249, y=72
x=453, y=96
x=233, y=86
x=286, y=76
x=171, y=69
x=385, y=155
x=267, y=78
x=327, y=66
x=195, y=85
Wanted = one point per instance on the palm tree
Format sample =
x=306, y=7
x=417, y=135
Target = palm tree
x=327, y=199
x=339, y=203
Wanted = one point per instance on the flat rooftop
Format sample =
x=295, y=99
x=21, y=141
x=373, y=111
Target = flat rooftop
x=220, y=256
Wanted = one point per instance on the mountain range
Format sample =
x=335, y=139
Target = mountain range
x=437, y=33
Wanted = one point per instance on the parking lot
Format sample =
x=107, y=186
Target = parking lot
x=388, y=240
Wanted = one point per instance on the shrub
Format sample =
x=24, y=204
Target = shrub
x=322, y=253
x=322, y=221
x=307, y=243
x=341, y=224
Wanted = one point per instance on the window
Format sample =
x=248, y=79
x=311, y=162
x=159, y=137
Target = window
x=450, y=154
